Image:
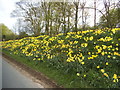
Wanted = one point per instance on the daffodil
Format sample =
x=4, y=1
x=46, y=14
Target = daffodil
x=106, y=63
x=102, y=70
x=105, y=74
x=114, y=80
x=78, y=74
x=116, y=44
x=38, y=58
x=84, y=75
x=109, y=56
x=115, y=76
x=98, y=66
x=116, y=48
x=84, y=45
x=91, y=38
x=82, y=62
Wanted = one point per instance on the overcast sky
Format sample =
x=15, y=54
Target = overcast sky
x=6, y=7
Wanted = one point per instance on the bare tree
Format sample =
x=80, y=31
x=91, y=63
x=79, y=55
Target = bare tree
x=76, y=14
x=94, y=13
x=82, y=5
x=31, y=12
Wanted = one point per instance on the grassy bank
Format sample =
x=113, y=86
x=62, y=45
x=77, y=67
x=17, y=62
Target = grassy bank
x=61, y=78
x=84, y=59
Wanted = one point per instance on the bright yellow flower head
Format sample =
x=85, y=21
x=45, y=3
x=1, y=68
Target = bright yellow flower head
x=105, y=74
x=91, y=38
x=103, y=53
x=106, y=63
x=78, y=74
x=38, y=58
x=116, y=44
x=84, y=45
x=113, y=49
x=89, y=53
x=117, y=80
x=84, y=75
x=82, y=62
x=116, y=48
x=109, y=56
x=60, y=41
x=98, y=66
x=115, y=76
x=102, y=70
x=114, y=80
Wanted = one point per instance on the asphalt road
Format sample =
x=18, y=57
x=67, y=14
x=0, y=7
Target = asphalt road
x=12, y=78
x=0, y=71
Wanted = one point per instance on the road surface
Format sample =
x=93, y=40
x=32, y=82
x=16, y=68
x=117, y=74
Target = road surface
x=13, y=78
x=0, y=71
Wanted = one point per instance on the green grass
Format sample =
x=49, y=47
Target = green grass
x=63, y=79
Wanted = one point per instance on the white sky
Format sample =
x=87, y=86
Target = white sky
x=7, y=6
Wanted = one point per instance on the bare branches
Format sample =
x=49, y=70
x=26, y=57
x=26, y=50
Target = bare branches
x=55, y=17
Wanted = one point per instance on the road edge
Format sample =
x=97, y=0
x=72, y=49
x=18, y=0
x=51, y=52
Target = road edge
x=46, y=82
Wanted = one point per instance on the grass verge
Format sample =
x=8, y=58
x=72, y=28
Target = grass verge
x=62, y=79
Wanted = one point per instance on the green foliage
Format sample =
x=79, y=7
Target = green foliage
x=91, y=56
x=7, y=34
x=50, y=72
x=113, y=18
x=22, y=35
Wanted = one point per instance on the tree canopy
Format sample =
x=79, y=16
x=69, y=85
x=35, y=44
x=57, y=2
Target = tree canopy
x=114, y=18
x=6, y=32
x=52, y=18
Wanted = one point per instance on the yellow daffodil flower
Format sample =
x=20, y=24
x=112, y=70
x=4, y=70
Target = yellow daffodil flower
x=102, y=70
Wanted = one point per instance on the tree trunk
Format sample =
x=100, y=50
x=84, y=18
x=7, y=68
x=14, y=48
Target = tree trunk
x=76, y=17
x=95, y=13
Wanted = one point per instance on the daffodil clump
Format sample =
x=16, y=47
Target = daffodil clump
x=92, y=55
